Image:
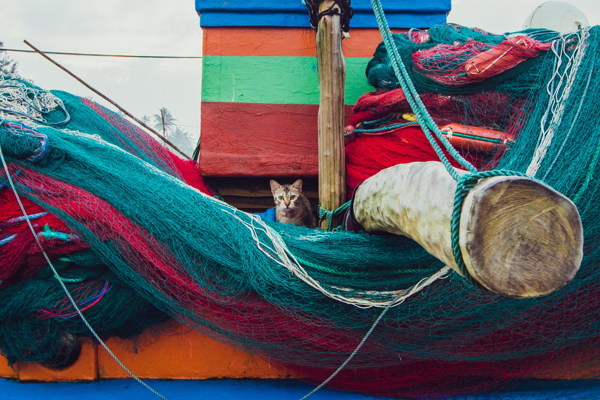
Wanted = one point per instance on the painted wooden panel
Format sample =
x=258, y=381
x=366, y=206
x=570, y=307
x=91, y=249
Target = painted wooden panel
x=292, y=13
x=247, y=139
x=84, y=369
x=297, y=42
x=274, y=80
x=264, y=53
x=178, y=352
x=6, y=370
x=168, y=351
x=276, y=70
x=213, y=389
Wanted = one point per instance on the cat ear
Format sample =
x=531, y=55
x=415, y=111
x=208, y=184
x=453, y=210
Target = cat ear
x=298, y=185
x=274, y=185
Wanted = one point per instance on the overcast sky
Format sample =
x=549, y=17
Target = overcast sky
x=499, y=16
x=141, y=27
x=164, y=27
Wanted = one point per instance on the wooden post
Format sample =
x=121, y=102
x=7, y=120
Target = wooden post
x=162, y=121
x=332, y=75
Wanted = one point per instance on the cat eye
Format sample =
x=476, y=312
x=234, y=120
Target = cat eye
x=293, y=196
x=280, y=197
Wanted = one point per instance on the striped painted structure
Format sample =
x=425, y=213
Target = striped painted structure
x=260, y=89
x=259, y=116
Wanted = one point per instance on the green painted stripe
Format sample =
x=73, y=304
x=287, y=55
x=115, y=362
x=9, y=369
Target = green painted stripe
x=274, y=80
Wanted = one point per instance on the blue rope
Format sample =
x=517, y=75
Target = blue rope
x=7, y=239
x=427, y=124
x=384, y=128
x=328, y=215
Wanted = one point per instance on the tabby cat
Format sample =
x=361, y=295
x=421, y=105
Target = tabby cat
x=292, y=207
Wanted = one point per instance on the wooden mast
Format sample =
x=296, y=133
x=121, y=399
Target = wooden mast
x=332, y=75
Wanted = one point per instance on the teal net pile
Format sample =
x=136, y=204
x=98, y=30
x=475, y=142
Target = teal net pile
x=136, y=238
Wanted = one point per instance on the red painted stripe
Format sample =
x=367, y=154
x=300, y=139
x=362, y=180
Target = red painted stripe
x=268, y=140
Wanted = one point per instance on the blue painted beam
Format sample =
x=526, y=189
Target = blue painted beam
x=231, y=389
x=128, y=389
x=293, y=13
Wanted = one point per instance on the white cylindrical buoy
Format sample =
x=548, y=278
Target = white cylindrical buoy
x=518, y=237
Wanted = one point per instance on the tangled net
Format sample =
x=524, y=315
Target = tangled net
x=136, y=237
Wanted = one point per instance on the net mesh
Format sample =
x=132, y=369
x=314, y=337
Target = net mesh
x=136, y=237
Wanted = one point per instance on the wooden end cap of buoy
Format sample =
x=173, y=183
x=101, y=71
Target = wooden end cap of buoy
x=519, y=237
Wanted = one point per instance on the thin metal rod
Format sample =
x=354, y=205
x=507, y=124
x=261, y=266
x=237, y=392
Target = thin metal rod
x=78, y=79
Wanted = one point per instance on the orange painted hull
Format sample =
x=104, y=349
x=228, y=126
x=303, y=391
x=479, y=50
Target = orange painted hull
x=174, y=351
x=169, y=351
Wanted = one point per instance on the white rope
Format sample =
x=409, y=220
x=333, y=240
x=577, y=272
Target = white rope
x=417, y=288
x=277, y=251
x=567, y=136
x=21, y=103
x=64, y=287
x=559, y=88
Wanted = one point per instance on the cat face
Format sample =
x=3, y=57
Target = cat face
x=285, y=196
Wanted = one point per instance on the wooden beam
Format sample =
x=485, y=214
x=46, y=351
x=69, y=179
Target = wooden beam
x=518, y=237
x=332, y=75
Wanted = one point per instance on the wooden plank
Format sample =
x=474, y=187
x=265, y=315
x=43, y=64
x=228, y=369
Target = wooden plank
x=332, y=74
x=6, y=371
x=258, y=41
x=404, y=20
x=278, y=42
x=247, y=139
x=84, y=369
x=217, y=389
x=254, y=194
x=174, y=351
x=399, y=13
x=266, y=6
x=274, y=80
